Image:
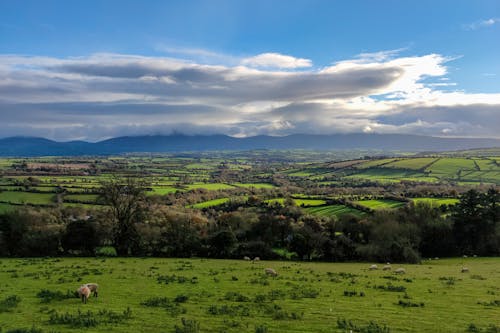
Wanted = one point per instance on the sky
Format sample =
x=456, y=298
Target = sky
x=91, y=70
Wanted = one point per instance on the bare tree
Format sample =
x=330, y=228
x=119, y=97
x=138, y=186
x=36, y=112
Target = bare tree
x=126, y=198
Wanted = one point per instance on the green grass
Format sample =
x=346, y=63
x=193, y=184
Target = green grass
x=83, y=198
x=255, y=185
x=309, y=202
x=436, y=201
x=210, y=203
x=235, y=296
x=27, y=198
x=298, y=202
x=162, y=190
x=381, y=203
x=411, y=163
x=451, y=167
x=4, y=208
x=334, y=210
x=210, y=186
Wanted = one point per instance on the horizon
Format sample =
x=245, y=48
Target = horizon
x=91, y=71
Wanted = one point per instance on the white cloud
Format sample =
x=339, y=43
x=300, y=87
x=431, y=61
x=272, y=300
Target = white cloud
x=481, y=24
x=276, y=60
x=106, y=95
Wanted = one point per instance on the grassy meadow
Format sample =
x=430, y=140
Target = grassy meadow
x=207, y=295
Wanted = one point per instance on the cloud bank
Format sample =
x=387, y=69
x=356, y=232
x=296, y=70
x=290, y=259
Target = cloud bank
x=107, y=95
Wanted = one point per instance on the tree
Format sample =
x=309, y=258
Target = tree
x=127, y=203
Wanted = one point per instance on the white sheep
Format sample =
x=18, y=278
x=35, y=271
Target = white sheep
x=465, y=270
x=256, y=259
x=84, y=293
x=271, y=272
x=373, y=267
x=386, y=268
x=246, y=258
x=94, y=288
x=400, y=270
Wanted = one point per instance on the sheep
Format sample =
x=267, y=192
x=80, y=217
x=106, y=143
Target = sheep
x=84, y=293
x=246, y=258
x=400, y=271
x=256, y=259
x=271, y=272
x=387, y=268
x=373, y=267
x=465, y=270
x=94, y=288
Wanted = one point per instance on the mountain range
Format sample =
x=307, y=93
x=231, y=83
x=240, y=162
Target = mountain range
x=32, y=146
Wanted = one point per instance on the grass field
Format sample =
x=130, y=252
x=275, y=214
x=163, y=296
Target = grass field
x=411, y=163
x=236, y=296
x=436, y=201
x=334, y=210
x=27, y=197
x=381, y=203
x=210, y=203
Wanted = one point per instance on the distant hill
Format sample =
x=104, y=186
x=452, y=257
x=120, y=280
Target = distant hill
x=27, y=146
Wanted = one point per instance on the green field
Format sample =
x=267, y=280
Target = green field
x=210, y=187
x=210, y=203
x=381, y=203
x=256, y=185
x=334, y=210
x=411, y=163
x=236, y=296
x=436, y=201
x=26, y=198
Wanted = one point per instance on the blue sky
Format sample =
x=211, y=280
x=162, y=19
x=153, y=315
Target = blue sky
x=40, y=40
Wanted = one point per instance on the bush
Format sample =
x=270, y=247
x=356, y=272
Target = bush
x=9, y=303
x=48, y=296
x=188, y=326
x=106, y=251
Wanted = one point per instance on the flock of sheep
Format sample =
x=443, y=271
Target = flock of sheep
x=93, y=288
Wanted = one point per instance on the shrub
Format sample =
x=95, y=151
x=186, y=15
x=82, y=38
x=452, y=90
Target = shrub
x=48, y=296
x=89, y=319
x=33, y=329
x=371, y=327
x=261, y=329
x=188, y=326
x=9, y=303
x=106, y=251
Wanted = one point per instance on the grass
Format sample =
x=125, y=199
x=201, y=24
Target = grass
x=334, y=210
x=305, y=297
x=82, y=198
x=4, y=208
x=210, y=203
x=298, y=202
x=381, y=203
x=26, y=198
x=255, y=185
x=411, y=163
x=210, y=186
x=436, y=201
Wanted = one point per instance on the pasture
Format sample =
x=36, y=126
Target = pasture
x=205, y=295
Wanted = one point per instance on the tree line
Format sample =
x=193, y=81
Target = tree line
x=133, y=224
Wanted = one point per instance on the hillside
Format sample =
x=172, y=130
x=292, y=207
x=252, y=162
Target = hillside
x=23, y=146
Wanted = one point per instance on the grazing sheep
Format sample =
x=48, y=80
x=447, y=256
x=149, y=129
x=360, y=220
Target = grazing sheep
x=465, y=256
x=373, y=267
x=246, y=258
x=256, y=259
x=400, y=271
x=271, y=272
x=386, y=268
x=84, y=293
x=94, y=288
x=465, y=270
